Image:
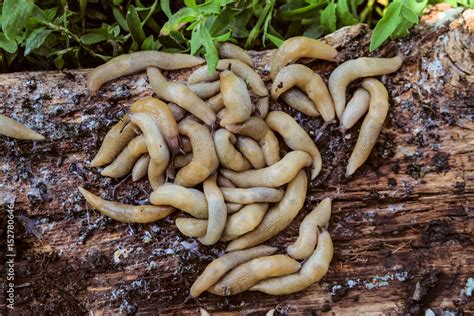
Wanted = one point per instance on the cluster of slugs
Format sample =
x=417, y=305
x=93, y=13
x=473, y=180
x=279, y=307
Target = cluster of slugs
x=215, y=132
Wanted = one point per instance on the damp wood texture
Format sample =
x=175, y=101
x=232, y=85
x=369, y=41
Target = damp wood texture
x=401, y=225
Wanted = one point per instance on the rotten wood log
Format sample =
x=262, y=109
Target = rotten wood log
x=402, y=225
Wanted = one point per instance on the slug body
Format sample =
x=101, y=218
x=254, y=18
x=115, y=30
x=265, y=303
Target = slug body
x=216, y=103
x=155, y=142
x=250, y=273
x=131, y=63
x=229, y=156
x=354, y=69
x=137, y=146
x=270, y=148
x=114, y=142
x=300, y=47
x=205, y=90
x=311, y=83
x=220, y=266
x=204, y=161
x=165, y=118
x=278, y=217
x=126, y=213
x=181, y=95
x=191, y=201
x=313, y=270
x=295, y=137
x=178, y=112
x=121, y=166
x=372, y=125
x=356, y=108
x=261, y=108
x=217, y=212
x=11, y=128
x=308, y=233
x=231, y=51
x=252, y=151
x=236, y=99
x=140, y=168
x=156, y=174
x=274, y=176
x=254, y=127
x=252, y=195
x=299, y=101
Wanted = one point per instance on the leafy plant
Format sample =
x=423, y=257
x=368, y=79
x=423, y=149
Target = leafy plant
x=48, y=34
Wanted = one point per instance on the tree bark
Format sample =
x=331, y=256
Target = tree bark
x=402, y=225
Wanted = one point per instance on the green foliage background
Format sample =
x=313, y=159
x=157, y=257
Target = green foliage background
x=56, y=34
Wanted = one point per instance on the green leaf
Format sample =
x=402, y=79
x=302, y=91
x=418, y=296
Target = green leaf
x=134, y=25
x=386, y=26
x=328, y=17
x=223, y=38
x=149, y=43
x=165, y=6
x=415, y=6
x=119, y=18
x=408, y=14
x=211, y=50
x=83, y=7
x=36, y=39
x=7, y=44
x=59, y=62
x=344, y=14
x=93, y=38
x=14, y=16
x=275, y=40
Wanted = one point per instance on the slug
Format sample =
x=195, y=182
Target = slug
x=304, y=246
x=224, y=182
x=250, y=273
x=220, y=266
x=191, y=201
x=216, y=103
x=299, y=101
x=124, y=212
x=204, y=161
x=165, y=118
x=114, y=142
x=156, y=174
x=252, y=195
x=356, y=108
x=313, y=270
x=239, y=223
x=278, y=216
x=254, y=127
x=274, y=176
x=182, y=160
x=131, y=63
x=137, y=146
x=233, y=207
x=295, y=137
x=229, y=157
x=140, y=168
x=261, y=108
x=231, y=51
x=371, y=126
x=302, y=77
x=11, y=128
x=217, y=212
x=252, y=151
x=178, y=112
x=121, y=166
x=157, y=148
x=355, y=69
x=241, y=69
x=205, y=90
x=300, y=47
x=181, y=95
x=236, y=99
x=270, y=148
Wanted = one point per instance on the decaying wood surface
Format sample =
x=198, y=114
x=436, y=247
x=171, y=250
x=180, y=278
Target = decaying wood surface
x=402, y=225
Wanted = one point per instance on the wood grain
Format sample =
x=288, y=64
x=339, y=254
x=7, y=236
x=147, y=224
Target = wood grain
x=402, y=225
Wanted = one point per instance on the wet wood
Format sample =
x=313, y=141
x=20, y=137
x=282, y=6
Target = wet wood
x=402, y=225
